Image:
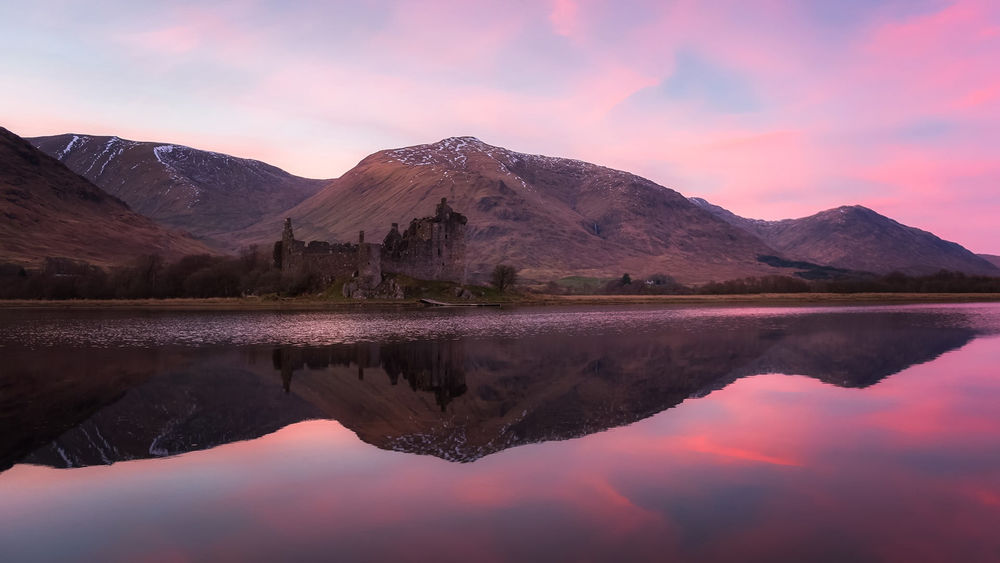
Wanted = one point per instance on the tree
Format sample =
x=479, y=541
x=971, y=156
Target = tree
x=250, y=257
x=504, y=277
x=626, y=279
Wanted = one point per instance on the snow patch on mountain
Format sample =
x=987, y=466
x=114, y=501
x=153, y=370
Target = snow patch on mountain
x=167, y=155
x=69, y=146
x=163, y=151
x=455, y=153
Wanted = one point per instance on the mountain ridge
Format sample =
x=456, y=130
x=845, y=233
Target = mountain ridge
x=206, y=193
x=50, y=211
x=549, y=216
x=991, y=258
x=858, y=238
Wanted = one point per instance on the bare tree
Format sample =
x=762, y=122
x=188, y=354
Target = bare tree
x=504, y=277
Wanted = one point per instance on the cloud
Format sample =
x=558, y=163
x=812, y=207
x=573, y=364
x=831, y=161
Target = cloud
x=173, y=40
x=775, y=109
x=564, y=17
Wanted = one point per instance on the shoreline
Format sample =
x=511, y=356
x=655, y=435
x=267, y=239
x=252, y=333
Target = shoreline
x=317, y=304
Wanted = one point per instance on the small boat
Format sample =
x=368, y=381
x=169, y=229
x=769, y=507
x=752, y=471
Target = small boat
x=435, y=303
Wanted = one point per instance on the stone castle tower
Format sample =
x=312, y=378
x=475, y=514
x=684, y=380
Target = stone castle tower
x=431, y=248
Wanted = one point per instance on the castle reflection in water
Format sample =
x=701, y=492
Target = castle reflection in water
x=459, y=398
x=432, y=367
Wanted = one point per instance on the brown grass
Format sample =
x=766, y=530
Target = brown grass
x=775, y=298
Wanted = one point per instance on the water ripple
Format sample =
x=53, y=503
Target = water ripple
x=40, y=328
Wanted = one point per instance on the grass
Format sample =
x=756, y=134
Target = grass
x=446, y=291
x=583, y=284
x=806, y=299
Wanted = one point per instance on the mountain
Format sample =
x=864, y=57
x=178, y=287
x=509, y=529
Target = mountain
x=550, y=217
x=206, y=193
x=857, y=238
x=50, y=211
x=991, y=258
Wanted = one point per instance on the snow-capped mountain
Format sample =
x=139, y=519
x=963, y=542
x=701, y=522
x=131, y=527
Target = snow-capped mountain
x=49, y=211
x=206, y=193
x=550, y=217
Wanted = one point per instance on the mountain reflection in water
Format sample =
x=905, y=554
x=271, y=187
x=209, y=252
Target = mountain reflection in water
x=458, y=398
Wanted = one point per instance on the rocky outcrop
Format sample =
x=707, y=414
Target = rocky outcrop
x=388, y=288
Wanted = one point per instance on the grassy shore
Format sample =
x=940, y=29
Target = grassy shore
x=782, y=299
x=322, y=304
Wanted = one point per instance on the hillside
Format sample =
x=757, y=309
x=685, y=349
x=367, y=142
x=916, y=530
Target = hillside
x=50, y=211
x=857, y=238
x=991, y=258
x=206, y=193
x=551, y=217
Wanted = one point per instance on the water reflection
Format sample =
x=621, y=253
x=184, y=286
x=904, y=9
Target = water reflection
x=436, y=367
x=458, y=398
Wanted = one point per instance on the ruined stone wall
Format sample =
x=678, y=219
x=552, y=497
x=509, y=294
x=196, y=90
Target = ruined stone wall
x=326, y=260
x=369, y=262
x=432, y=248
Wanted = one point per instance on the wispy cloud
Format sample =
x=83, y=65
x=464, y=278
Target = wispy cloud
x=777, y=108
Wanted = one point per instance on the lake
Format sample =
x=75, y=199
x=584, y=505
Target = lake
x=556, y=434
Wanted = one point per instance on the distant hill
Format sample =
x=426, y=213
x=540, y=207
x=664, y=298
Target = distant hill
x=857, y=238
x=550, y=217
x=206, y=193
x=991, y=258
x=50, y=211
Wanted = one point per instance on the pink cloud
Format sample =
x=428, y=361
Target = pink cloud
x=170, y=41
x=564, y=17
x=565, y=78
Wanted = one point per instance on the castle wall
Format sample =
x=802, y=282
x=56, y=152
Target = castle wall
x=327, y=260
x=432, y=248
x=369, y=263
x=340, y=261
x=438, y=257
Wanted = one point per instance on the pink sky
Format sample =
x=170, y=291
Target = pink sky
x=773, y=109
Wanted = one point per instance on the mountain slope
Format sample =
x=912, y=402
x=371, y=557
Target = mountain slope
x=551, y=217
x=206, y=193
x=857, y=238
x=48, y=210
x=991, y=258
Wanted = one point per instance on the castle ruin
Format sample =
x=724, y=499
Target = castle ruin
x=431, y=248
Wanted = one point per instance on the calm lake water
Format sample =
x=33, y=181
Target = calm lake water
x=583, y=434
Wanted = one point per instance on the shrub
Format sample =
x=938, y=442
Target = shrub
x=504, y=277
